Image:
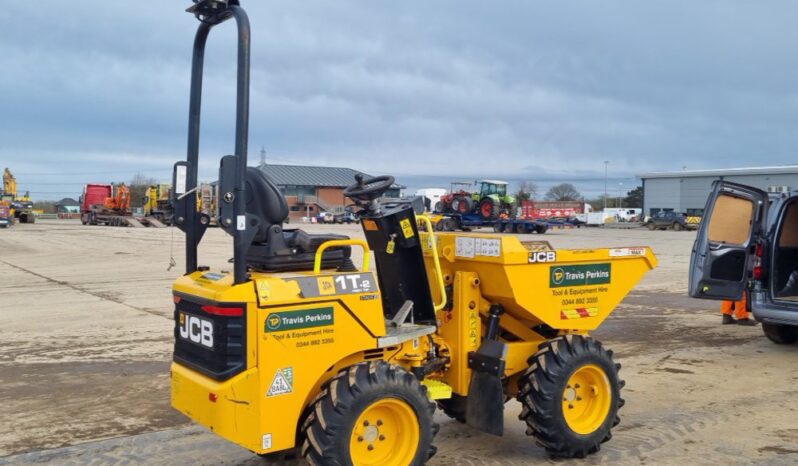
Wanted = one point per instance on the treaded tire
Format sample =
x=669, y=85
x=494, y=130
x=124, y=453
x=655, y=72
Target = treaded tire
x=454, y=407
x=541, y=390
x=328, y=429
x=780, y=334
x=483, y=209
x=677, y=226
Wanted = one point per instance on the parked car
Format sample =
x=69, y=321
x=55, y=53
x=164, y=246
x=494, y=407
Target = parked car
x=324, y=217
x=748, y=241
x=670, y=220
x=345, y=217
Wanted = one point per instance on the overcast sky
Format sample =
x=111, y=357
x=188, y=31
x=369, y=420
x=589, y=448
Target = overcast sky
x=98, y=90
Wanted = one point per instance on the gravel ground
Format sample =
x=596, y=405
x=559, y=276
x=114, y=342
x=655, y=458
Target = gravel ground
x=86, y=339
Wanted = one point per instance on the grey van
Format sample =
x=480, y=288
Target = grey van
x=748, y=242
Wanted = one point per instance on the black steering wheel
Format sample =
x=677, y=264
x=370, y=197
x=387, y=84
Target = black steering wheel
x=366, y=190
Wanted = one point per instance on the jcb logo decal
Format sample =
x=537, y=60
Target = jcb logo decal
x=542, y=256
x=196, y=330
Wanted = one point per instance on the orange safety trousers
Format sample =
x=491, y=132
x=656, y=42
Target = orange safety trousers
x=736, y=308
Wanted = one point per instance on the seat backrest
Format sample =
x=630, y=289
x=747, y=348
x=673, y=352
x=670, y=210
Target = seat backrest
x=265, y=201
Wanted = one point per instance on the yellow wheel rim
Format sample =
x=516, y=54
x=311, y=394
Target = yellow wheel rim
x=586, y=399
x=386, y=434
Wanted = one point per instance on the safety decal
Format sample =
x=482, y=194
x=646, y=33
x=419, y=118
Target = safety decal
x=407, y=228
x=283, y=382
x=568, y=314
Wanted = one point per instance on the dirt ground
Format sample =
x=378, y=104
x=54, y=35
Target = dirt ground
x=85, y=345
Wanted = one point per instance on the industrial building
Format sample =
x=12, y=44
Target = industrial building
x=310, y=190
x=687, y=191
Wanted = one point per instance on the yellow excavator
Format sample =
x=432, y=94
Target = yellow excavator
x=298, y=350
x=21, y=207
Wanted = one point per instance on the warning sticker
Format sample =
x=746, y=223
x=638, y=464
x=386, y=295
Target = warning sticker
x=283, y=382
x=469, y=246
x=464, y=246
x=407, y=228
x=489, y=247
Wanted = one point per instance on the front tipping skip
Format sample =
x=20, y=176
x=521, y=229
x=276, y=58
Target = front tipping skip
x=298, y=352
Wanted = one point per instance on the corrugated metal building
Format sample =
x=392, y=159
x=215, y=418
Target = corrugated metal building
x=687, y=191
x=310, y=190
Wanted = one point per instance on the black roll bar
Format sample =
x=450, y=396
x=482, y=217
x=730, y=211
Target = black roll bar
x=210, y=13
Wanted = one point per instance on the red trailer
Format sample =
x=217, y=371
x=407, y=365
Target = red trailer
x=551, y=209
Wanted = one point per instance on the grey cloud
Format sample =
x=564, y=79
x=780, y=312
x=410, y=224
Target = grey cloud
x=514, y=89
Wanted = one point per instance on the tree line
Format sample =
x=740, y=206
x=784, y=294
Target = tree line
x=528, y=190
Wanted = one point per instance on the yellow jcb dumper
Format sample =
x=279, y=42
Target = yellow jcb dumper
x=297, y=350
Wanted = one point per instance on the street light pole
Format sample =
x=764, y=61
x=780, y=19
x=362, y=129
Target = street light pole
x=606, y=164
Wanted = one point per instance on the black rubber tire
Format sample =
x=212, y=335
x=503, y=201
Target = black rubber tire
x=677, y=226
x=651, y=226
x=454, y=407
x=541, y=389
x=438, y=207
x=328, y=428
x=781, y=334
x=494, y=209
x=541, y=229
x=498, y=227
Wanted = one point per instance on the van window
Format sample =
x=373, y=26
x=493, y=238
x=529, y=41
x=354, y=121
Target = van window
x=731, y=220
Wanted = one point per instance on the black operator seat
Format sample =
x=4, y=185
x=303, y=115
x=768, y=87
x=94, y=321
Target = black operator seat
x=277, y=250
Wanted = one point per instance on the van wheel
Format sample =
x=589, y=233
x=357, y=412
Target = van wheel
x=781, y=334
x=369, y=414
x=571, y=395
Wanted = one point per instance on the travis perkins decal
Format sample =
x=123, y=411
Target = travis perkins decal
x=305, y=318
x=579, y=275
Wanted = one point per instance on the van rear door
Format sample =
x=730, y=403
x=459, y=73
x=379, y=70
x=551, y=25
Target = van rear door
x=722, y=253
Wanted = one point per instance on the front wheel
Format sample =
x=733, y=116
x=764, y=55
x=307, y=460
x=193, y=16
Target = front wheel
x=371, y=414
x=677, y=226
x=781, y=334
x=571, y=395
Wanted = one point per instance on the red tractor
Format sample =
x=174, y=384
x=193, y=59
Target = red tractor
x=458, y=199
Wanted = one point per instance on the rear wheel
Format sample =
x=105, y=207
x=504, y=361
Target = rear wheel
x=571, y=395
x=498, y=227
x=677, y=226
x=488, y=209
x=438, y=207
x=371, y=414
x=781, y=334
x=651, y=226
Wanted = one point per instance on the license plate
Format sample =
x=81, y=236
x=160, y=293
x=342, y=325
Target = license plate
x=196, y=330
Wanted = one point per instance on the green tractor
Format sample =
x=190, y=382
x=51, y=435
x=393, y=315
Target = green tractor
x=492, y=200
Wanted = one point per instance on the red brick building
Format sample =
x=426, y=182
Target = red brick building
x=311, y=190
